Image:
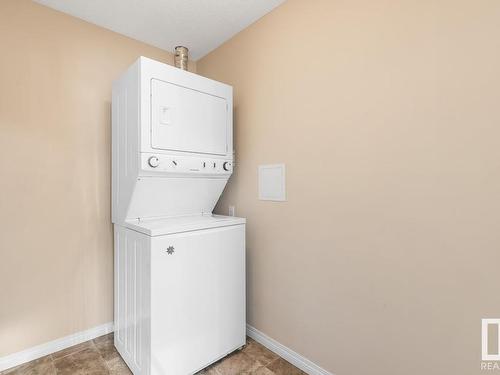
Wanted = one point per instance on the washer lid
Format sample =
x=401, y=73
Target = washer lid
x=170, y=225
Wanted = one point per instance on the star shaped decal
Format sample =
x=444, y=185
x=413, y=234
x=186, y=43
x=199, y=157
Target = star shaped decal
x=170, y=250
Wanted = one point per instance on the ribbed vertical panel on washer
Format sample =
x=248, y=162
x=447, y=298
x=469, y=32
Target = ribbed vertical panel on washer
x=132, y=296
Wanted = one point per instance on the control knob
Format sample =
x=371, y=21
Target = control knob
x=153, y=161
x=226, y=165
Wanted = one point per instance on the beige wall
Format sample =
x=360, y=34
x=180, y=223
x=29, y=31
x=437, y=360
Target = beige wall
x=386, y=255
x=56, y=250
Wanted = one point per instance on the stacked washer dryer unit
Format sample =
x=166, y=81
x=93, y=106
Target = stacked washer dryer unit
x=179, y=269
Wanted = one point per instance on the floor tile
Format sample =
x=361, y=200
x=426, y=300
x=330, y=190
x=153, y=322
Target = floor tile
x=109, y=336
x=210, y=370
x=237, y=363
x=99, y=357
x=106, y=347
x=117, y=366
x=72, y=349
x=91, y=361
x=282, y=367
x=85, y=362
x=66, y=366
x=263, y=371
x=259, y=352
x=41, y=366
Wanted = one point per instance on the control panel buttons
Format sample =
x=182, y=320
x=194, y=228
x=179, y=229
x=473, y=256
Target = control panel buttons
x=153, y=162
x=179, y=164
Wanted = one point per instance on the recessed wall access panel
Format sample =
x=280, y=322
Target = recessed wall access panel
x=272, y=182
x=187, y=120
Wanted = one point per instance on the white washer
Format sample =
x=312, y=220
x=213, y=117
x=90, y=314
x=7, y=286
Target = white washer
x=179, y=269
x=181, y=284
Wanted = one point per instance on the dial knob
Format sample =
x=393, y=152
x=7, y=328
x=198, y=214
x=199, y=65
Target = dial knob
x=226, y=166
x=153, y=161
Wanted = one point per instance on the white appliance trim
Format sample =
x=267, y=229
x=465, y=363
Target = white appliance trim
x=38, y=351
x=286, y=353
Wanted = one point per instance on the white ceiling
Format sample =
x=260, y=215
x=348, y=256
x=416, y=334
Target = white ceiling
x=200, y=25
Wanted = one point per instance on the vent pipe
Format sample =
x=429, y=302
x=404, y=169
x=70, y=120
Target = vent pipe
x=181, y=57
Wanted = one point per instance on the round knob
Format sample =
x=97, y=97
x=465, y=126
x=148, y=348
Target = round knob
x=226, y=166
x=153, y=162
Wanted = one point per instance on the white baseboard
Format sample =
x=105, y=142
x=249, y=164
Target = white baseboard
x=288, y=354
x=50, y=347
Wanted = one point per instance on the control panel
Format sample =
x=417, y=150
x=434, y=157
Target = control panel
x=185, y=164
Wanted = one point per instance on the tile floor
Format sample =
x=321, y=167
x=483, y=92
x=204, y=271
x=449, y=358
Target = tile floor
x=99, y=357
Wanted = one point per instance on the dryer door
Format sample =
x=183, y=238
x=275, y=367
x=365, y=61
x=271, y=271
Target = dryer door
x=184, y=119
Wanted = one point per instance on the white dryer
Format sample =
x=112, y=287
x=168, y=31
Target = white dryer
x=179, y=269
